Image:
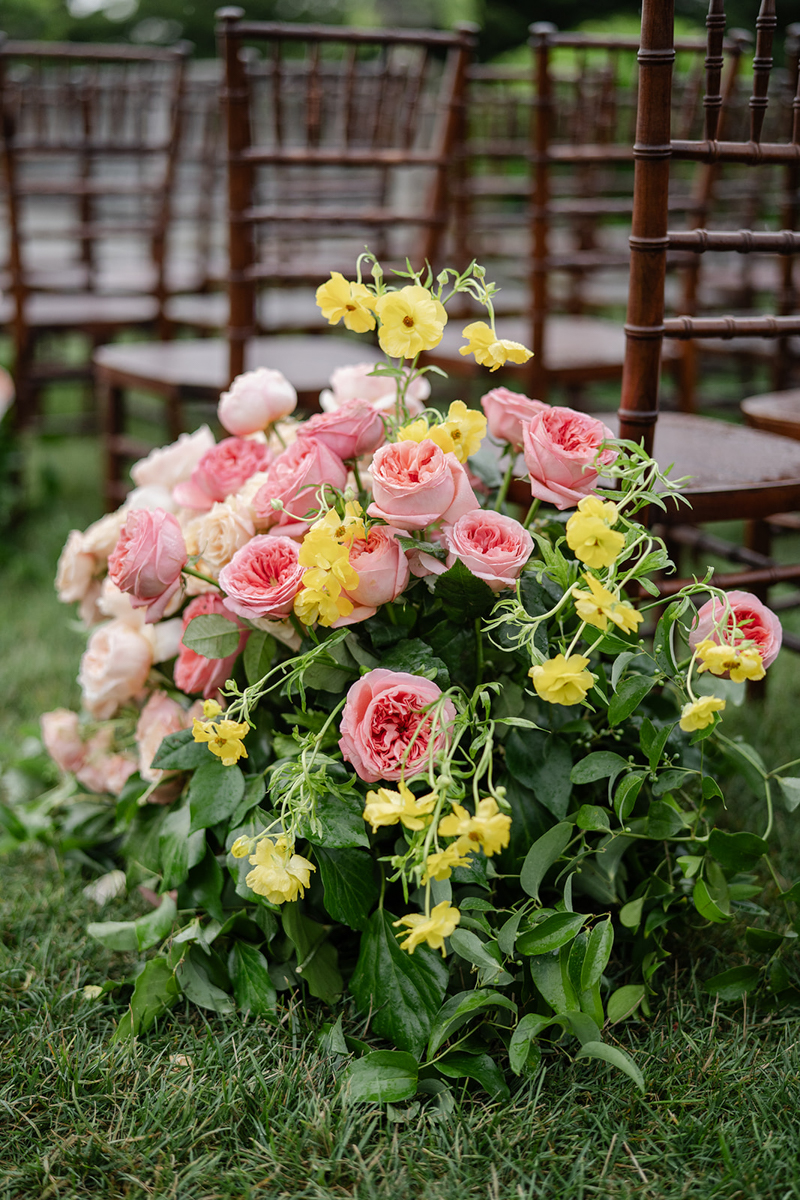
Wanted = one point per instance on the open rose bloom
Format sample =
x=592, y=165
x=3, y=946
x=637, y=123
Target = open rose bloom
x=359, y=674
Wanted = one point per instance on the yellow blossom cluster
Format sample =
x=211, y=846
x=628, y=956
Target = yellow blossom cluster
x=490, y=350
x=698, y=714
x=352, y=303
x=598, y=606
x=278, y=873
x=385, y=807
x=433, y=928
x=224, y=738
x=461, y=433
x=562, y=679
x=590, y=536
x=740, y=662
x=325, y=553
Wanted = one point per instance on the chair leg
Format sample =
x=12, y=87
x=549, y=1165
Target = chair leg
x=111, y=400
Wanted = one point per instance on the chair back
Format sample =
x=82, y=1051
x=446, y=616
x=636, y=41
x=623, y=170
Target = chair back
x=655, y=152
x=89, y=148
x=330, y=132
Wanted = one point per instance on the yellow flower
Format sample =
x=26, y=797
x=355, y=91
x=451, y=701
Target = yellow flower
x=439, y=865
x=321, y=552
x=715, y=658
x=489, y=828
x=489, y=350
x=386, y=807
x=224, y=739
x=697, y=714
x=562, y=680
x=211, y=709
x=598, y=606
x=589, y=533
x=321, y=598
x=412, y=320
x=241, y=847
x=466, y=427
x=352, y=303
x=433, y=929
x=278, y=873
x=748, y=666
x=419, y=430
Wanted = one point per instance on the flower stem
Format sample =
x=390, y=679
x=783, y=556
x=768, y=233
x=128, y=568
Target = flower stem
x=532, y=511
x=205, y=578
x=357, y=476
x=504, y=486
x=478, y=652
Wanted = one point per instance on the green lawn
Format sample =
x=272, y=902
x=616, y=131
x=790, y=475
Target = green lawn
x=212, y=1106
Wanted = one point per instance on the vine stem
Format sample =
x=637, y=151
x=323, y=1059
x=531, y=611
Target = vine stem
x=532, y=511
x=198, y=575
x=479, y=651
x=504, y=486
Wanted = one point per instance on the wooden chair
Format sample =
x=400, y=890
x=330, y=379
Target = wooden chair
x=88, y=148
x=330, y=118
x=736, y=473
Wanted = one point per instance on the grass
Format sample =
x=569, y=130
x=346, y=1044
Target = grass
x=207, y=1107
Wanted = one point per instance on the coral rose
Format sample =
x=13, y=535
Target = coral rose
x=493, y=547
x=62, y=738
x=255, y=400
x=114, y=668
x=193, y=672
x=148, y=559
x=293, y=479
x=756, y=622
x=385, y=733
x=170, y=465
x=416, y=483
x=508, y=413
x=382, y=570
x=222, y=471
x=352, y=430
x=561, y=454
x=263, y=578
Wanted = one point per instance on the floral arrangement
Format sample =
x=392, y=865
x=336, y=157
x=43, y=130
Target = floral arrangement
x=373, y=696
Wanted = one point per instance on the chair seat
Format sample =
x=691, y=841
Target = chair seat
x=201, y=367
x=735, y=472
x=65, y=310
x=287, y=309
x=572, y=344
x=775, y=412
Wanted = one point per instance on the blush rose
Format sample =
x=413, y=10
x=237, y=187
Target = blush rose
x=193, y=672
x=148, y=559
x=170, y=465
x=415, y=484
x=114, y=668
x=385, y=734
x=62, y=739
x=293, y=479
x=380, y=391
x=350, y=431
x=561, y=454
x=493, y=547
x=507, y=414
x=756, y=622
x=222, y=471
x=255, y=400
x=382, y=569
x=263, y=578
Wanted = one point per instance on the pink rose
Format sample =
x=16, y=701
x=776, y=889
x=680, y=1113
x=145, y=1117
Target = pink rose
x=561, y=454
x=114, y=668
x=159, y=717
x=508, y=413
x=358, y=383
x=148, y=559
x=103, y=771
x=493, y=547
x=255, y=400
x=385, y=733
x=193, y=673
x=221, y=471
x=382, y=570
x=293, y=479
x=62, y=739
x=756, y=622
x=263, y=578
x=416, y=483
x=352, y=430
x=169, y=465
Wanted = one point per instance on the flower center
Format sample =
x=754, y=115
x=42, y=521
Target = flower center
x=408, y=322
x=350, y=307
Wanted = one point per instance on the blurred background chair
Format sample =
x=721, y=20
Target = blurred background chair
x=335, y=137
x=90, y=137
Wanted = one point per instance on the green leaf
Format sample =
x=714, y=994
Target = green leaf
x=351, y=890
x=214, y=793
x=525, y=1034
x=156, y=925
x=463, y=595
x=615, y=1057
x=763, y=941
x=417, y=658
x=552, y=933
x=736, y=851
x=259, y=652
x=626, y=794
x=591, y=816
x=583, y=1026
x=212, y=636
x=541, y=856
x=624, y=1001
x=155, y=991
x=598, y=952
x=663, y=821
x=542, y=762
x=662, y=640
x=178, y=851
x=339, y=822
x=732, y=984
x=551, y=976
x=653, y=741
x=384, y=1076
x=602, y=764
x=254, y=791
x=707, y=907
x=114, y=935
x=193, y=977
x=204, y=885
x=791, y=791
x=252, y=986
x=470, y=947
x=317, y=959
x=480, y=1067
x=180, y=752
x=458, y=1009
x=628, y=696
x=403, y=991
